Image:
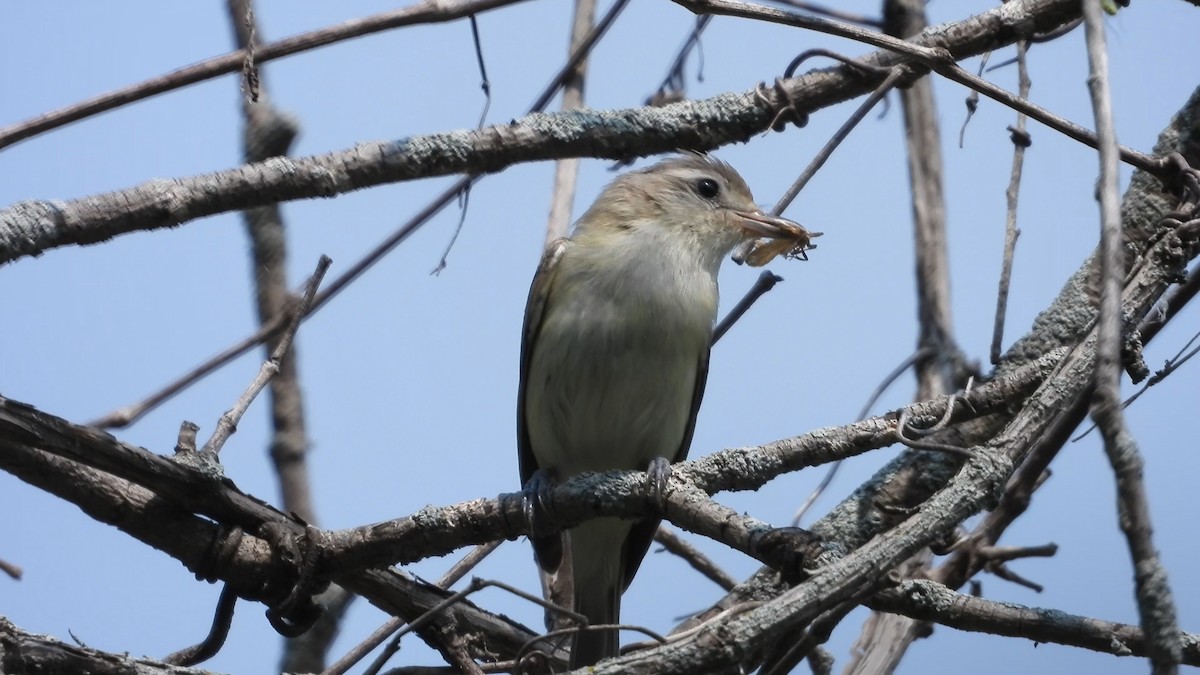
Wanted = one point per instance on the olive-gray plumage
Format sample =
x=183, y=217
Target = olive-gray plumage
x=614, y=358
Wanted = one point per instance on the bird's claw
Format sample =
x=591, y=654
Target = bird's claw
x=535, y=500
x=657, y=475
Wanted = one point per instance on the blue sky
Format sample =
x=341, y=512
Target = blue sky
x=410, y=379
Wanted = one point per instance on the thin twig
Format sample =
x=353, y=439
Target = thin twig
x=765, y=282
x=972, y=101
x=826, y=151
x=673, y=84
x=229, y=421
x=893, y=77
x=430, y=11
x=918, y=444
x=833, y=27
x=581, y=52
x=10, y=569
x=673, y=543
x=1018, y=492
x=566, y=171
x=484, y=83
x=858, y=66
x=464, y=197
x=376, y=638
x=1174, y=363
x=1156, y=606
x=817, y=633
x=833, y=13
x=126, y=415
x=586, y=627
x=1020, y=140
x=217, y=633
x=464, y=200
x=1181, y=357
x=477, y=585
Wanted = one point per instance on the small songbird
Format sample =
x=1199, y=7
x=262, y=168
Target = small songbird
x=614, y=356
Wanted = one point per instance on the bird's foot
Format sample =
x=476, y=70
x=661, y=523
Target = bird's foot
x=535, y=500
x=657, y=475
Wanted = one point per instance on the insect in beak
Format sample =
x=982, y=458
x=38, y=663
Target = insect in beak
x=782, y=236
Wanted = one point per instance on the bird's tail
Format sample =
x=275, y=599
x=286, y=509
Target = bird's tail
x=598, y=561
x=589, y=647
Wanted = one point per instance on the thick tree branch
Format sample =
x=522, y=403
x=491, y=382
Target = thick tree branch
x=239, y=549
x=24, y=652
x=931, y=601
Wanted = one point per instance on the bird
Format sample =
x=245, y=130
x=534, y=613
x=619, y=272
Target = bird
x=614, y=358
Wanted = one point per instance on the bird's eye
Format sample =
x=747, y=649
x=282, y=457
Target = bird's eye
x=707, y=188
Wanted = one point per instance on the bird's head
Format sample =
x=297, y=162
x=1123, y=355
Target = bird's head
x=693, y=199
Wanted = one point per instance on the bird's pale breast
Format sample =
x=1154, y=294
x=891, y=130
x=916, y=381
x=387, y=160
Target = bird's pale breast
x=613, y=371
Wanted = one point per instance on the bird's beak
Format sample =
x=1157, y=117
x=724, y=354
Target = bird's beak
x=759, y=224
x=787, y=238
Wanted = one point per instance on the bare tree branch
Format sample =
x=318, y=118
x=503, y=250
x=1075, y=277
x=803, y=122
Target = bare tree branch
x=32, y=227
x=1005, y=433
x=1156, y=604
x=566, y=171
x=228, y=423
x=429, y=11
x=931, y=601
x=1066, y=322
x=885, y=638
x=268, y=330
x=24, y=652
x=269, y=132
x=436, y=531
x=677, y=545
x=939, y=58
x=968, y=492
x=1020, y=140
